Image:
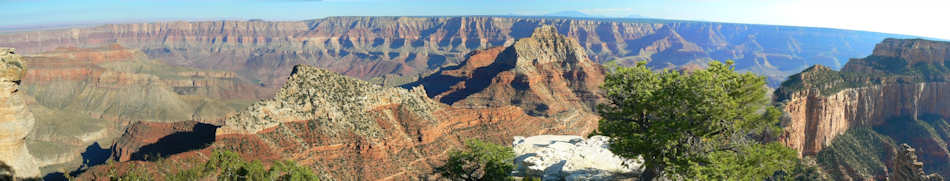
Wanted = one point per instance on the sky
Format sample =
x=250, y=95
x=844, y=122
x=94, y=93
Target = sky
x=926, y=18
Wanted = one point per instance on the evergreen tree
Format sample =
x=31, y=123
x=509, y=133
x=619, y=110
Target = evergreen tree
x=698, y=125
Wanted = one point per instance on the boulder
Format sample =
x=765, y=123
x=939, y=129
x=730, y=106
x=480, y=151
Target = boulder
x=568, y=157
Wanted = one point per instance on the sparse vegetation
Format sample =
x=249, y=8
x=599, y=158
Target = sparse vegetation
x=884, y=69
x=222, y=165
x=479, y=161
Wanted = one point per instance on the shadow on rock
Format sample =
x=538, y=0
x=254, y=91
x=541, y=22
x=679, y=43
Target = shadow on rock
x=201, y=136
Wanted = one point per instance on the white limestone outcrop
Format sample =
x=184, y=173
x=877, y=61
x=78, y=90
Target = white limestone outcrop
x=568, y=157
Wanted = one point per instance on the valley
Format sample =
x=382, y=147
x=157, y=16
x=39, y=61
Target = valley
x=386, y=98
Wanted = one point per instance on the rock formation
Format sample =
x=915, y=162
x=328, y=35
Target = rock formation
x=370, y=47
x=823, y=103
x=81, y=96
x=16, y=121
x=906, y=167
x=352, y=129
x=547, y=74
x=896, y=93
x=348, y=129
x=560, y=157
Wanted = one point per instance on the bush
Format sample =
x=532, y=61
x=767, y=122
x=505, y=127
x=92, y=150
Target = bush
x=223, y=165
x=480, y=161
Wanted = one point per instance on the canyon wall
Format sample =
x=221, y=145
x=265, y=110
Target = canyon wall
x=350, y=129
x=81, y=96
x=16, y=120
x=896, y=95
x=547, y=74
x=388, y=48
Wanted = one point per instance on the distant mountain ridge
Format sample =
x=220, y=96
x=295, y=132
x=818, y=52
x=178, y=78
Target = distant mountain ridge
x=578, y=14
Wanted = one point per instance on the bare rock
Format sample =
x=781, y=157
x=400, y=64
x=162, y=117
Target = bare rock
x=907, y=168
x=15, y=120
x=547, y=74
x=568, y=157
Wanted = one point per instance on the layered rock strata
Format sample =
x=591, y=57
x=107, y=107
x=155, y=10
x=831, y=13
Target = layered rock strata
x=351, y=129
x=16, y=121
x=823, y=103
x=547, y=74
x=896, y=95
x=354, y=129
x=81, y=96
x=369, y=47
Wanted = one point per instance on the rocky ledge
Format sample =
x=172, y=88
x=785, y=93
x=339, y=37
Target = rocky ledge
x=15, y=120
x=567, y=157
x=906, y=167
x=344, y=103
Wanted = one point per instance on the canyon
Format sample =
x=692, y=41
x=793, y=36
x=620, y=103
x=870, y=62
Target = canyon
x=350, y=129
x=85, y=96
x=460, y=77
x=852, y=120
x=396, y=50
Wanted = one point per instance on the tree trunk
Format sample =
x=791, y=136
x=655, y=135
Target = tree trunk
x=651, y=172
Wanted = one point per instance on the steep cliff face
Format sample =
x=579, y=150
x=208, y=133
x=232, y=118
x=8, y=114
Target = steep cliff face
x=906, y=166
x=896, y=93
x=16, y=121
x=547, y=74
x=389, y=47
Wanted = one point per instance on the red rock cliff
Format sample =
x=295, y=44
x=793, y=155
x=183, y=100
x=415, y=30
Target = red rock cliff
x=826, y=103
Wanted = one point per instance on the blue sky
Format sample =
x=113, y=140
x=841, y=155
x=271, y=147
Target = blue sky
x=913, y=17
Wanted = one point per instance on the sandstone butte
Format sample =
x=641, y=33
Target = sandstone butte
x=16, y=120
x=896, y=95
x=547, y=74
x=349, y=129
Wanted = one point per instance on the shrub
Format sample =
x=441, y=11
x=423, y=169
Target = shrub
x=480, y=161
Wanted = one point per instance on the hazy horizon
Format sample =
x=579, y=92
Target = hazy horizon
x=912, y=17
